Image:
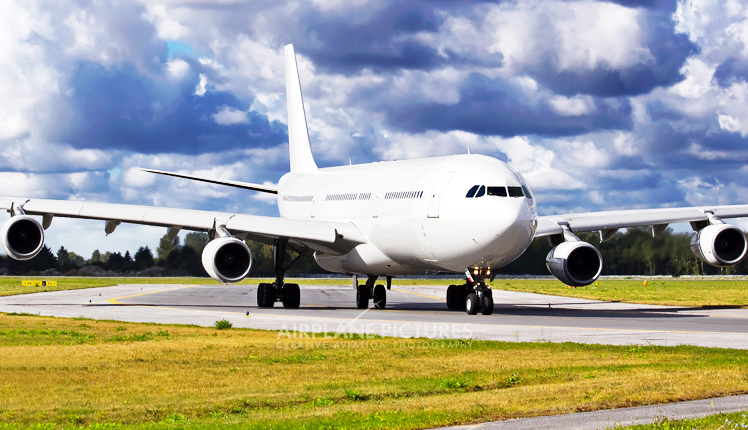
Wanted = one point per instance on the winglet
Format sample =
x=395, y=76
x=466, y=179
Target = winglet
x=300, y=151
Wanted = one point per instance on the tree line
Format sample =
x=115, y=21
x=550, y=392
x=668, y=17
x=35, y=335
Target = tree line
x=633, y=252
x=170, y=254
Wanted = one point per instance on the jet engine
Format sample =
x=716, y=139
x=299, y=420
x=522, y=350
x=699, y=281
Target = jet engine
x=23, y=237
x=575, y=263
x=227, y=259
x=719, y=245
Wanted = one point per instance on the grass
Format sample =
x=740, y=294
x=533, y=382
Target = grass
x=696, y=293
x=60, y=372
x=731, y=421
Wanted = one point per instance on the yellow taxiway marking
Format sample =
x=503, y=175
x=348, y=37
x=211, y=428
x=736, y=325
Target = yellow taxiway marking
x=419, y=294
x=114, y=300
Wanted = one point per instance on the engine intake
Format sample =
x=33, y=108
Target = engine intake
x=719, y=245
x=575, y=263
x=227, y=259
x=23, y=237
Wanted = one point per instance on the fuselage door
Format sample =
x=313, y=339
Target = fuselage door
x=436, y=194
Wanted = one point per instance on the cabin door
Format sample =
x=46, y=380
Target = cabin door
x=436, y=194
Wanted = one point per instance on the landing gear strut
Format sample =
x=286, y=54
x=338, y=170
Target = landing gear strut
x=279, y=291
x=473, y=296
x=369, y=291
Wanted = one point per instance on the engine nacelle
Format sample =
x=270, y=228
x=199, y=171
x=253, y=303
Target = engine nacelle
x=719, y=245
x=575, y=263
x=227, y=259
x=22, y=237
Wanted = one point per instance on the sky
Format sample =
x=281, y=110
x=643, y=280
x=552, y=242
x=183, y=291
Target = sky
x=600, y=105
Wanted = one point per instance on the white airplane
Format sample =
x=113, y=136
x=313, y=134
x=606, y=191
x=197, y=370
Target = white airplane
x=462, y=213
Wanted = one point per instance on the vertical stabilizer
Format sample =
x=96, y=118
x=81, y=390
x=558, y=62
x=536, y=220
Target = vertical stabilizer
x=298, y=138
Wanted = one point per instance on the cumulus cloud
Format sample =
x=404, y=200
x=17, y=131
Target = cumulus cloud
x=600, y=105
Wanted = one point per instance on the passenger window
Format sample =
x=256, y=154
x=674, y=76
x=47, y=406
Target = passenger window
x=496, y=191
x=481, y=191
x=515, y=192
x=472, y=191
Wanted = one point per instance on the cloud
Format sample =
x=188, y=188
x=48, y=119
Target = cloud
x=497, y=107
x=228, y=116
x=600, y=105
x=119, y=108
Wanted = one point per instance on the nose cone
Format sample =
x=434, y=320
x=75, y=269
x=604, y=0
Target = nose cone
x=512, y=230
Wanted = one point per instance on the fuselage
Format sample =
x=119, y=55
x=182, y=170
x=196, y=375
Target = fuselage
x=416, y=213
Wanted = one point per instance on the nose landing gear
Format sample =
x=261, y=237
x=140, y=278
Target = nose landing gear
x=474, y=296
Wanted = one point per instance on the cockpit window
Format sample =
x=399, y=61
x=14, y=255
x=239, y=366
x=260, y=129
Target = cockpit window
x=481, y=191
x=472, y=191
x=527, y=192
x=496, y=191
x=515, y=192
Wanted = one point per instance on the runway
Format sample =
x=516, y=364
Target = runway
x=412, y=312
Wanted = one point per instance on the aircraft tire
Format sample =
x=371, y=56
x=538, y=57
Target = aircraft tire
x=265, y=296
x=293, y=296
x=380, y=297
x=451, y=297
x=472, y=304
x=362, y=298
x=463, y=291
x=487, y=304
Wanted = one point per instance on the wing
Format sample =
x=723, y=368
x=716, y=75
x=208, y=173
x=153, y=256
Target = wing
x=331, y=237
x=613, y=220
x=237, y=184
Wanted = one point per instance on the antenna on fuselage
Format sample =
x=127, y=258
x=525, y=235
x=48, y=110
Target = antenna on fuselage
x=299, y=150
x=468, y=150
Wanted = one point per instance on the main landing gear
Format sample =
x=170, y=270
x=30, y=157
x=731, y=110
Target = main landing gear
x=473, y=296
x=279, y=291
x=369, y=291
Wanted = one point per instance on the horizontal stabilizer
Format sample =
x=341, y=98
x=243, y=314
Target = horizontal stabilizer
x=237, y=184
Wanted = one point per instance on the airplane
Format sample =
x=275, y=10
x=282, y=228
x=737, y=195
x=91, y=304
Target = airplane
x=470, y=214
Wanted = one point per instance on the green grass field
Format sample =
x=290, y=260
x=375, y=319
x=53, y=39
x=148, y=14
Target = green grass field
x=60, y=373
x=731, y=421
x=696, y=293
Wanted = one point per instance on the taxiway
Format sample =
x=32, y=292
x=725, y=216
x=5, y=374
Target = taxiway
x=412, y=312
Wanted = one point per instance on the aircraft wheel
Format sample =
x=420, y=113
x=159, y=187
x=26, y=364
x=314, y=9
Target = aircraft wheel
x=472, y=304
x=265, y=296
x=463, y=291
x=487, y=304
x=362, y=298
x=293, y=296
x=380, y=297
x=451, y=302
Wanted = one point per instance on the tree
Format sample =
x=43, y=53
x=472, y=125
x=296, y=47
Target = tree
x=43, y=261
x=95, y=257
x=115, y=261
x=143, y=258
x=165, y=246
x=62, y=256
x=197, y=241
x=75, y=259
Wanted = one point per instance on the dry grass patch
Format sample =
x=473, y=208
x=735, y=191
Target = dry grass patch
x=63, y=371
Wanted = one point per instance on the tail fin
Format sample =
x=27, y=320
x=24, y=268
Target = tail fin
x=298, y=137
